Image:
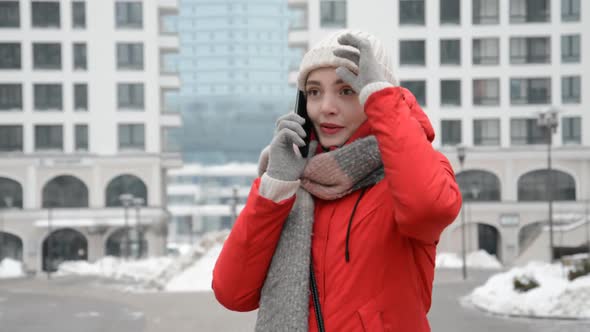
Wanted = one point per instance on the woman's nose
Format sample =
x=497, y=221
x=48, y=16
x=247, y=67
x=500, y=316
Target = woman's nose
x=329, y=104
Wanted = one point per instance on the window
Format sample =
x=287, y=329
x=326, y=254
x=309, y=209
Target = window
x=571, y=130
x=486, y=92
x=530, y=50
x=570, y=48
x=171, y=139
x=48, y=137
x=526, y=131
x=530, y=91
x=80, y=62
x=486, y=12
x=129, y=14
x=131, y=136
x=81, y=137
x=450, y=52
x=450, y=132
x=333, y=13
x=529, y=11
x=411, y=12
x=450, y=93
x=10, y=56
x=65, y=191
x=9, y=14
x=45, y=14
x=486, y=51
x=11, y=138
x=571, y=89
x=536, y=186
x=298, y=18
x=486, y=132
x=570, y=10
x=48, y=97
x=412, y=52
x=130, y=96
x=418, y=89
x=476, y=185
x=130, y=56
x=122, y=184
x=11, y=97
x=46, y=56
x=80, y=97
x=79, y=14
x=450, y=12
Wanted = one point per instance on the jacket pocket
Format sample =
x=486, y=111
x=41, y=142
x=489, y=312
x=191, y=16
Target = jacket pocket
x=371, y=317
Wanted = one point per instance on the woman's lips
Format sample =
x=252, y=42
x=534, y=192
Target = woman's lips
x=330, y=129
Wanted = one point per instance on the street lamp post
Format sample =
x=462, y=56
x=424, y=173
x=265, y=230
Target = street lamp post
x=126, y=200
x=138, y=202
x=49, y=231
x=461, y=155
x=548, y=121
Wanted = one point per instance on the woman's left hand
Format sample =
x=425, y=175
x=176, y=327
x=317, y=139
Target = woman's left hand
x=370, y=71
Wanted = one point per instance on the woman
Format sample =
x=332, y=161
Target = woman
x=366, y=211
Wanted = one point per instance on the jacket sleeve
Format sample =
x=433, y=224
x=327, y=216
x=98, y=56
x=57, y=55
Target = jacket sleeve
x=425, y=194
x=241, y=267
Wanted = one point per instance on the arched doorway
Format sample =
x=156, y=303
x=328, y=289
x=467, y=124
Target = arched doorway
x=488, y=239
x=11, y=246
x=63, y=245
x=127, y=242
x=478, y=236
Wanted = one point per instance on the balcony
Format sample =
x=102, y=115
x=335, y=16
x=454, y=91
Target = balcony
x=170, y=6
x=169, y=42
x=297, y=3
x=298, y=37
x=171, y=120
x=169, y=81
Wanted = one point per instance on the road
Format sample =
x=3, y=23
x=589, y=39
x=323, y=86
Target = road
x=85, y=304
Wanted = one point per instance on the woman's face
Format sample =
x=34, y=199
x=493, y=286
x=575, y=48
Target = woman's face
x=333, y=107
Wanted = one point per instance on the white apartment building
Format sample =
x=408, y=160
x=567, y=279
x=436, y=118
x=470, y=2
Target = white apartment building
x=83, y=122
x=484, y=70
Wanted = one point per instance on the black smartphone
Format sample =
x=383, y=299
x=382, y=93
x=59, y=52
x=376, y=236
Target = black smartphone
x=301, y=110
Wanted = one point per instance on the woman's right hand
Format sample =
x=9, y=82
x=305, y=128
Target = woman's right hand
x=285, y=163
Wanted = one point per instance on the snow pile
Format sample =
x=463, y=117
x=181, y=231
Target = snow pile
x=117, y=268
x=478, y=259
x=556, y=296
x=9, y=268
x=189, y=271
x=198, y=276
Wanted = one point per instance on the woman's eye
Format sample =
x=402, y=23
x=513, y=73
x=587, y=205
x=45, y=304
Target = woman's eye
x=347, y=92
x=312, y=92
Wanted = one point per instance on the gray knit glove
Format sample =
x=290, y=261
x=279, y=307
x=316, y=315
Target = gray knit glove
x=284, y=161
x=371, y=72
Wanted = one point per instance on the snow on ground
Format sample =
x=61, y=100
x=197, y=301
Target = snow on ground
x=190, y=271
x=478, y=259
x=555, y=297
x=9, y=268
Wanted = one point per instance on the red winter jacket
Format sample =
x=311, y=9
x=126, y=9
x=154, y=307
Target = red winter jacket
x=387, y=285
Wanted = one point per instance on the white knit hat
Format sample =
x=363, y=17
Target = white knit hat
x=321, y=55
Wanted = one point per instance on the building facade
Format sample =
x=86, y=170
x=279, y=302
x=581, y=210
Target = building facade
x=233, y=63
x=85, y=138
x=485, y=71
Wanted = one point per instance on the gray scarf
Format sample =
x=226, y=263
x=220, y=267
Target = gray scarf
x=284, y=297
